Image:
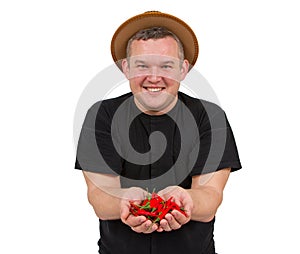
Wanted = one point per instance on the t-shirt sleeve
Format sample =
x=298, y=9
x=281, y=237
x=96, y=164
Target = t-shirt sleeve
x=217, y=146
x=95, y=150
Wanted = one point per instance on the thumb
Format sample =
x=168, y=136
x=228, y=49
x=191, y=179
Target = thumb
x=188, y=207
x=124, y=211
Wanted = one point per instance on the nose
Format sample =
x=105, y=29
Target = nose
x=154, y=75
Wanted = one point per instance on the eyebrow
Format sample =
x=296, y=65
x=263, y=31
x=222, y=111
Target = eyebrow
x=139, y=61
x=164, y=62
x=168, y=62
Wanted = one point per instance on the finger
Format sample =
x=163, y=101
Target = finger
x=135, y=221
x=173, y=223
x=159, y=229
x=146, y=227
x=188, y=206
x=124, y=213
x=164, y=224
x=151, y=228
x=179, y=217
x=125, y=216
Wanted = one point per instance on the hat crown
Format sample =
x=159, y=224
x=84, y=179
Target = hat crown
x=147, y=12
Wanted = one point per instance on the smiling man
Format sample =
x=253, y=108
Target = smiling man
x=156, y=138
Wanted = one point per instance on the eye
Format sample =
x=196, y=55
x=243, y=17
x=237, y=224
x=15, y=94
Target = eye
x=142, y=66
x=166, y=66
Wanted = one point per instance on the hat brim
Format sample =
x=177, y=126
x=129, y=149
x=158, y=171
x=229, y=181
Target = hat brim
x=151, y=19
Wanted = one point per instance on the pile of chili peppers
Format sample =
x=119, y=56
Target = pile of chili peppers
x=154, y=207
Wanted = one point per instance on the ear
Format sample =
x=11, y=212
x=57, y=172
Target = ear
x=184, y=69
x=125, y=68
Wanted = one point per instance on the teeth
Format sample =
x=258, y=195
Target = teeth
x=152, y=89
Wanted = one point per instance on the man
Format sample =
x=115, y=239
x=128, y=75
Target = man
x=189, y=161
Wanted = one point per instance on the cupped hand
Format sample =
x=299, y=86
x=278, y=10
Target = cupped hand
x=175, y=219
x=139, y=224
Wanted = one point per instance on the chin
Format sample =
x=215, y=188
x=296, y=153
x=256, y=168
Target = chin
x=159, y=103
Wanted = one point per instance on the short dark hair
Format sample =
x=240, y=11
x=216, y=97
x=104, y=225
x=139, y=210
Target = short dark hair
x=157, y=32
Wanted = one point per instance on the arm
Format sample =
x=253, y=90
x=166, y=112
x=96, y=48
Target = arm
x=207, y=197
x=100, y=190
x=111, y=202
x=200, y=202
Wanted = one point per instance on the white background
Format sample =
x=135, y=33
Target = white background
x=50, y=50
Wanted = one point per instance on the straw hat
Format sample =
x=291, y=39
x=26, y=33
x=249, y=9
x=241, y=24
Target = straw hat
x=150, y=19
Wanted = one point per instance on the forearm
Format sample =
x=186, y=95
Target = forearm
x=109, y=200
x=106, y=206
x=206, y=201
x=104, y=194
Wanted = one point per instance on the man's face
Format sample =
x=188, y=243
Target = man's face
x=154, y=72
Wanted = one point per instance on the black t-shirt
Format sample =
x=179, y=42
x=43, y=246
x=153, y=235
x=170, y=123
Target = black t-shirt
x=154, y=152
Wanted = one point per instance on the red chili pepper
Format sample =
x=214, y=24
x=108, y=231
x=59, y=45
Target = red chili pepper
x=169, y=201
x=146, y=213
x=133, y=205
x=164, y=212
x=157, y=197
x=144, y=202
x=146, y=206
x=176, y=207
x=154, y=202
x=154, y=195
x=154, y=207
x=160, y=207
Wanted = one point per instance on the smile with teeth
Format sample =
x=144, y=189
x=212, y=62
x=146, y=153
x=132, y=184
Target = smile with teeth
x=154, y=89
